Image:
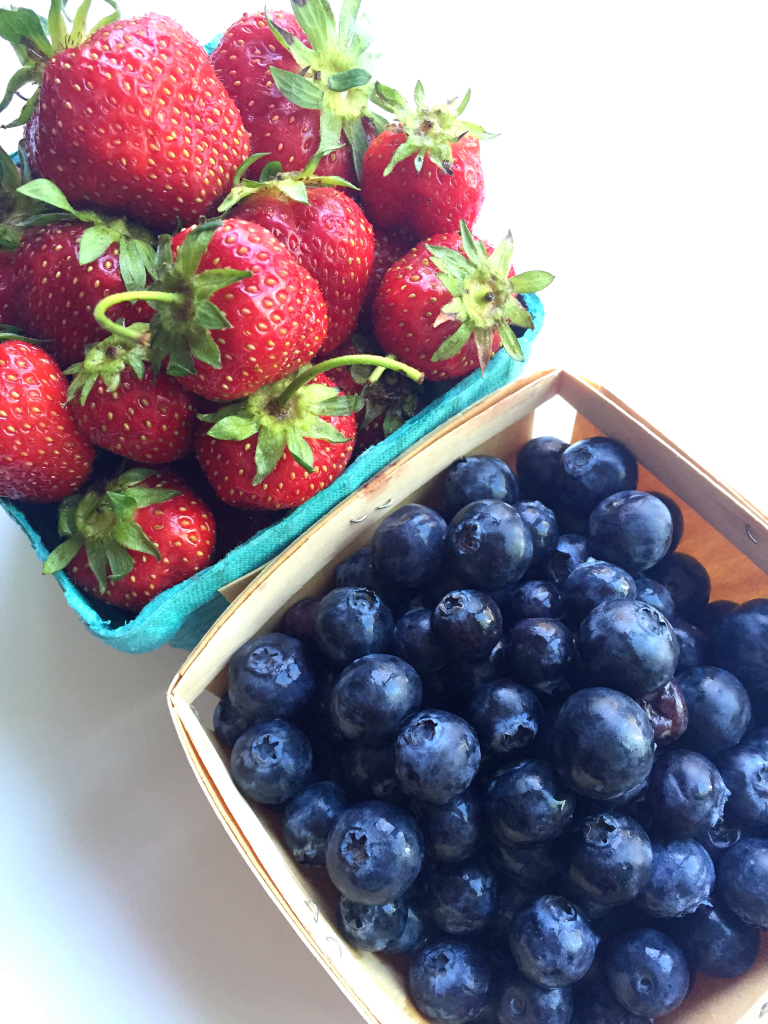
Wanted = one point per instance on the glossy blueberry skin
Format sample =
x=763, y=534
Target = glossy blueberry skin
x=719, y=709
x=351, y=623
x=687, y=581
x=572, y=550
x=228, y=723
x=371, y=928
x=589, y=585
x=269, y=677
x=308, y=820
x=610, y=859
x=374, y=853
x=415, y=642
x=686, y=794
x=538, y=650
x=535, y=599
x=529, y=867
x=715, y=942
x=693, y=645
x=538, y=468
x=459, y=898
x=552, y=943
x=414, y=932
x=373, y=695
x=299, y=621
x=271, y=761
x=745, y=772
x=682, y=876
x=647, y=972
x=489, y=545
x=602, y=743
x=742, y=881
x=467, y=624
x=359, y=573
x=506, y=717
x=593, y=469
x=678, y=521
x=718, y=839
x=437, y=755
x=475, y=478
x=450, y=981
x=629, y=646
x=408, y=545
x=370, y=767
x=656, y=595
x=667, y=711
x=522, y=1002
x=527, y=805
x=631, y=529
x=598, y=1005
x=740, y=645
x=451, y=831
x=542, y=523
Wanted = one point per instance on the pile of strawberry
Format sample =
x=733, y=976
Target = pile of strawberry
x=187, y=251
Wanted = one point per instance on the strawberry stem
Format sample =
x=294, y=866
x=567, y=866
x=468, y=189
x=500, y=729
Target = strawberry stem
x=385, y=362
x=100, y=312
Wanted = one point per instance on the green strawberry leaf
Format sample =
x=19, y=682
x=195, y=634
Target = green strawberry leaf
x=94, y=242
x=120, y=561
x=316, y=18
x=269, y=450
x=62, y=555
x=210, y=317
x=22, y=27
x=233, y=428
x=341, y=405
x=353, y=129
x=388, y=98
x=463, y=105
x=347, y=18
x=300, y=52
x=134, y=476
x=348, y=79
x=501, y=259
x=191, y=250
x=531, y=281
x=453, y=344
x=23, y=76
x=97, y=560
x=297, y=191
x=298, y=90
x=26, y=111
x=510, y=343
x=46, y=192
x=132, y=537
x=146, y=497
x=270, y=171
x=133, y=269
x=68, y=515
x=518, y=314
x=301, y=451
x=203, y=347
x=206, y=282
x=123, y=505
x=324, y=431
x=330, y=130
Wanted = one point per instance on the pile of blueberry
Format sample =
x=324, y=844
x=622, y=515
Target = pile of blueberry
x=535, y=761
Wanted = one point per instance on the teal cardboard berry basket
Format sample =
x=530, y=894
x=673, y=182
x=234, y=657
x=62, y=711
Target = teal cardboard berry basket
x=182, y=615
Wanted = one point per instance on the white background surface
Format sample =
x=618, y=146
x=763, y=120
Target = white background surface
x=631, y=164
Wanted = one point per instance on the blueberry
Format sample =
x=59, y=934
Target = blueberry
x=589, y=585
x=741, y=646
x=459, y=898
x=359, y=573
x=719, y=838
x=592, y=469
x=228, y=723
x=647, y=972
x=682, y=876
x=715, y=942
x=631, y=529
x=525, y=1003
x=572, y=550
x=475, y=674
x=490, y=545
x=414, y=932
x=415, y=642
x=678, y=522
x=451, y=830
x=370, y=767
x=510, y=900
x=538, y=650
x=551, y=942
x=299, y=621
x=374, y=853
x=598, y=1005
x=308, y=820
x=686, y=793
x=629, y=646
x=693, y=645
x=687, y=581
x=745, y=772
x=436, y=756
x=352, y=623
x=602, y=743
x=475, y=478
x=269, y=677
x=526, y=804
x=667, y=712
x=719, y=710
x=467, y=623
x=535, y=599
x=742, y=881
x=708, y=617
x=529, y=867
x=271, y=761
x=610, y=858
x=450, y=981
x=506, y=717
x=656, y=595
x=538, y=468
x=373, y=695
x=545, y=534
x=371, y=928
x=408, y=545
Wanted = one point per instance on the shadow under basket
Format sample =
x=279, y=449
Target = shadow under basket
x=721, y=529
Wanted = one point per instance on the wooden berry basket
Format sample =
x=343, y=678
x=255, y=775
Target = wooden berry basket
x=722, y=530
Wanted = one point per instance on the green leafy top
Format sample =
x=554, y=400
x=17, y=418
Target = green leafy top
x=15, y=208
x=336, y=76
x=106, y=360
x=102, y=520
x=483, y=300
x=36, y=39
x=428, y=131
x=272, y=178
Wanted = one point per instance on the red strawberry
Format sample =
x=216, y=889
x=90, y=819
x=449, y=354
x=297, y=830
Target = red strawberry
x=131, y=119
x=324, y=230
x=43, y=456
x=450, y=303
x=142, y=533
x=388, y=246
x=7, y=289
x=425, y=170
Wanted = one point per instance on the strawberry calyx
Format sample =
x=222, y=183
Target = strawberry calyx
x=15, y=207
x=484, y=298
x=106, y=360
x=427, y=130
x=273, y=179
x=102, y=520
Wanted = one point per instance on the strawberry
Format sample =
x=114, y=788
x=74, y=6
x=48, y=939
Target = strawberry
x=388, y=246
x=7, y=288
x=424, y=171
x=302, y=84
x=119, y=404
x=133, y=537
x=130, y=118
x=451, y=302
x=43, y=456
x=324, y=230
